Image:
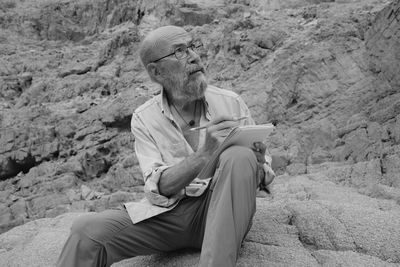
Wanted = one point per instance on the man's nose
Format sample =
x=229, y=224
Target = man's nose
x=193, y=57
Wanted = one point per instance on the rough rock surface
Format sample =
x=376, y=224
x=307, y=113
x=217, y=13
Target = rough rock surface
x=305, y=221
x=326, y=72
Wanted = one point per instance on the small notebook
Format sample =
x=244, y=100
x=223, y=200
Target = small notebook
x=242, y=136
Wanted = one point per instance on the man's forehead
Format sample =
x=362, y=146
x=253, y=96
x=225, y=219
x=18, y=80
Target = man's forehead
x=181, y=40
x=174, y=39
x=162, y=41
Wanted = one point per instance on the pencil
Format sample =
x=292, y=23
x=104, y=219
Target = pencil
x=205, y=126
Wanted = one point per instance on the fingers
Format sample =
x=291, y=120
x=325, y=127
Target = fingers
x=223, y=126
x=224, y=121
x=260, y=157
x=259, y=147
x=222, y=118
x=218, y=120
x=222, y=133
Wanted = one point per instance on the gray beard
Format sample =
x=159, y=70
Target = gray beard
x=186, y=90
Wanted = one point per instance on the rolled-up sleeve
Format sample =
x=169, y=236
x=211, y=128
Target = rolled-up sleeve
x=151, y=164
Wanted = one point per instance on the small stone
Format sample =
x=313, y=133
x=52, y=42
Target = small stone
x=74, y=68
x=5, y=214
x=86, y=192
x=18, y=209
x=93, y=165
x=67, y=180
x=4, y=196
x=73, y=195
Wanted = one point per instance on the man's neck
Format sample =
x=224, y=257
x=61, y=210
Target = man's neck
x=182, y=104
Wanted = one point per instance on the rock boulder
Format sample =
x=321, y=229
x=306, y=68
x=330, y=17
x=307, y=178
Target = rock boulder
x=305, y=221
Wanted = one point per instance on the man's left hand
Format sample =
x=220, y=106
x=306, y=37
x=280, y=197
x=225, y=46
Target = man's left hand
x=259, y=149
x=267, y=175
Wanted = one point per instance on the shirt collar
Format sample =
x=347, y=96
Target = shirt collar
x=165, y=106
x=208, y=113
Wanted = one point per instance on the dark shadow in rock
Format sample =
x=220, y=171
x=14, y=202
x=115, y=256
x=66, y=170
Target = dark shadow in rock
x=13, y=167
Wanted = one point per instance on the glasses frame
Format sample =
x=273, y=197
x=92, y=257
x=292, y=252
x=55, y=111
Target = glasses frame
x=193, y=46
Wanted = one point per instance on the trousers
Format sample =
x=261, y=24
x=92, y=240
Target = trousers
x=216, y=222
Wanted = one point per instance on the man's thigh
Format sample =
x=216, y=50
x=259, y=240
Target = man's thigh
x=179, y=228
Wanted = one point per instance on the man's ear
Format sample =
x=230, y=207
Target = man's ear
x=153, y=71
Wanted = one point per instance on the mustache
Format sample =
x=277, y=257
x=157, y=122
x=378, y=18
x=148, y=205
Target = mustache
x=194, y=68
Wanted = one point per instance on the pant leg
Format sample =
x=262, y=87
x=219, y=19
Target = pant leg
x=231, y=208
x=104, y=238
x=220, y=218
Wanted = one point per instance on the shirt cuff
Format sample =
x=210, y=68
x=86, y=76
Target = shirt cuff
x=152, y=192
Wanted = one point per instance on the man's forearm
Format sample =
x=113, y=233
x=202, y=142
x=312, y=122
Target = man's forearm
x=180, y=175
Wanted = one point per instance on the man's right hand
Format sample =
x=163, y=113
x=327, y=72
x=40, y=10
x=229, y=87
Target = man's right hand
x=180, y=175
x=217, y=130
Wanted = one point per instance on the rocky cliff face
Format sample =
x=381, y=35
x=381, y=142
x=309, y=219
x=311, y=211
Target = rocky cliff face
x=326, y=72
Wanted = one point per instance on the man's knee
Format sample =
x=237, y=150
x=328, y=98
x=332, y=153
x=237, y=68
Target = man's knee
x=83, y=223
x=241, y=162
x=238, y=167
x=90, y=226
x=103, y=226
x=238, y=154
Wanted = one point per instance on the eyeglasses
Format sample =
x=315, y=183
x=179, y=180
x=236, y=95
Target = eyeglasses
x=182, y=52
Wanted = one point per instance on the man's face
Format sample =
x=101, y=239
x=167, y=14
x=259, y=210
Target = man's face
x=183, y=78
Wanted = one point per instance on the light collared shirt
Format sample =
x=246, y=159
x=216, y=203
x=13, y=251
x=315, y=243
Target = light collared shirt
x=160, y=144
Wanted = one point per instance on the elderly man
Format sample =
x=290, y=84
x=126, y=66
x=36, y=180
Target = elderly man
x=180, y=210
